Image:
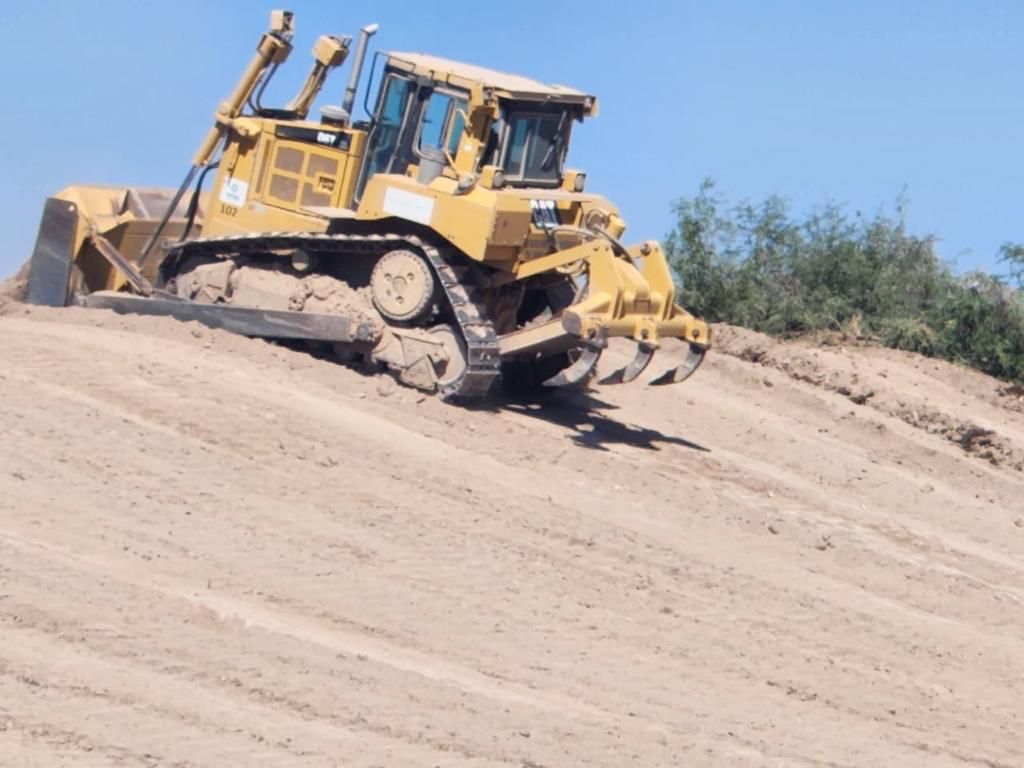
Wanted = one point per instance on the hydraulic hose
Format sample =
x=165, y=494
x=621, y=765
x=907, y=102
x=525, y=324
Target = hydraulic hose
x=193, y=203
x=594, y=234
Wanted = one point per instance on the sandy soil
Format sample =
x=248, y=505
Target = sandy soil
x=217, y=552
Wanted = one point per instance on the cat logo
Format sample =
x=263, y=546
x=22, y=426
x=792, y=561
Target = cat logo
x=545, y=214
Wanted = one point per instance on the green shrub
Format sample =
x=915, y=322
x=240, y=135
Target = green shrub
x=909, y=334
x=762, y=267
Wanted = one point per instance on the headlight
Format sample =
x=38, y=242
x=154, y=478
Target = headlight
x=498, y=180
x=580, y=183
x=596, y=219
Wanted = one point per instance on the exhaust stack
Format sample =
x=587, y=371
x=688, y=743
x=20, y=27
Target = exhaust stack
x=357, y=66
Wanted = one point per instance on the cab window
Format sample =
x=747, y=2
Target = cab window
x=442, y=123
x=389, y=124
x=534, y=147
x=516, y=147
x=455, y=132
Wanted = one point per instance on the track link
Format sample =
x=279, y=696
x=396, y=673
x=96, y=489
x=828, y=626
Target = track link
x=482, y=355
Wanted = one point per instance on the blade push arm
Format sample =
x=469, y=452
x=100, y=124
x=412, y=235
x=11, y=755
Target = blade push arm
x=273, y=48
x=328, y=53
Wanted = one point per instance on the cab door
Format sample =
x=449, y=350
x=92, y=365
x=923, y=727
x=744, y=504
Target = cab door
x=390, y=140
x=413, y=115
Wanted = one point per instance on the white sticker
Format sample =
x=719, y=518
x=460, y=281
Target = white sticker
x=234, y=191
x=408, y=205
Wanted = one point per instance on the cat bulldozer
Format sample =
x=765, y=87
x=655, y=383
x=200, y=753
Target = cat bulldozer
x=442, y=238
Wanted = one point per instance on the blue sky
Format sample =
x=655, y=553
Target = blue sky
x=814, y=100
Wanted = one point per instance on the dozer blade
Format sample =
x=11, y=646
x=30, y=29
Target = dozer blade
x=245, y=321
x=579, y=370
x=644, y=355
x=683, y=371
x=50, y=268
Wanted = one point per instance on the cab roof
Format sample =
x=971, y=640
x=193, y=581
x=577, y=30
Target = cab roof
x=464, y=76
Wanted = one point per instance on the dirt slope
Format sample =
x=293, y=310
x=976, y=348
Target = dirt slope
x=215, y=552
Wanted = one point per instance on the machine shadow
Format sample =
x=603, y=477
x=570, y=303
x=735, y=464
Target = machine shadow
x=584, y=416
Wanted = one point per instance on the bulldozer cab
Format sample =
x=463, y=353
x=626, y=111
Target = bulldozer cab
x=426, y=105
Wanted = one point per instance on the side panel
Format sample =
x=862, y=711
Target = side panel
x=269, y=182
x=500, y=227
x=463, y=220
x=50, y=268
x=300, y=174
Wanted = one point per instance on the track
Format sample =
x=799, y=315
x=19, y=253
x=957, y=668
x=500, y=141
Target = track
x=482, y=357
x=217, y=552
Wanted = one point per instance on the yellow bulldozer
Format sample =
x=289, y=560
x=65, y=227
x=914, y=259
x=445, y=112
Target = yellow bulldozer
x=442, y=238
